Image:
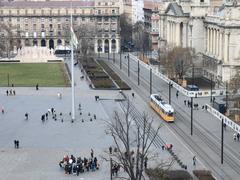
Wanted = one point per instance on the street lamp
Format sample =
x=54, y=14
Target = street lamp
x=169, y=91
x=211, y=99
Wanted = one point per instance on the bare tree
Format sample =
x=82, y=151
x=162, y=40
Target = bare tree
x=178, y=61
x=141, y=37
x=234, y=84
x=86, y=37
x=133, y=140
x=125, y=29
x=6, y=39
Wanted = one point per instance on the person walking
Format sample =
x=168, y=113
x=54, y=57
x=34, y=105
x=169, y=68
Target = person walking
x=238, y=136
x=185, y=102
x=133, y=95
x=26, y=116
x=37, y=88
x=7, y=92
x=145, y=162
x=234, y=136
x=92, y=153
x=177, y=93
x=14, y=93
x=15, y=144
x=194, y=160
x=110, y=149
x=3, y=110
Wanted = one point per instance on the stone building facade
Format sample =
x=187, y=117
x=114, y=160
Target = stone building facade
x=213, y=31
x=44, y=23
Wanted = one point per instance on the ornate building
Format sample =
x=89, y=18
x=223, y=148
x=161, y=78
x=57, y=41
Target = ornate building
x=212, y=31
x=44, y=23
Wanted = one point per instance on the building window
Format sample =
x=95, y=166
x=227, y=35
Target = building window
x=10, y=19
x=66, y=19
x=99, y=19
x=26, y=27
x=113, y=11
x=18, y=19
x=59, y=33
x=99, y=11
x=59, y=26
x=106, y=19
x=42, y=26
x=99, y=3
x=83, y=18
x=50, y=26
x=202, y=1
x=34, y=27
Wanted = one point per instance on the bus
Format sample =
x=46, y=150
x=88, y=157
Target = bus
x=163, y=109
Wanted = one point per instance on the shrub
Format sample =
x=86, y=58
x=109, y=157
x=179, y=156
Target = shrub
x=161, y=174
x=203, y=174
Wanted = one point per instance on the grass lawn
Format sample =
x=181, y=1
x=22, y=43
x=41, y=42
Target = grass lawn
x=30, y=74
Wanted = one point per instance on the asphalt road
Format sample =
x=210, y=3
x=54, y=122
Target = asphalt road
x=206, y=139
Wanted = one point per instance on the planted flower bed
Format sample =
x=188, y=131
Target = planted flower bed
x=122, y=85
x=96, y=74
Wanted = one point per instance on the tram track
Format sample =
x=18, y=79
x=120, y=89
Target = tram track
x=214, y=146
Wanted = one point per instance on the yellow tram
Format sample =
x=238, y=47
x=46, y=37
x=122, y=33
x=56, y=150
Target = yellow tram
x=162, y=108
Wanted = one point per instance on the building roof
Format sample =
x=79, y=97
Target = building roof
x=176, y=9
x=46, y=4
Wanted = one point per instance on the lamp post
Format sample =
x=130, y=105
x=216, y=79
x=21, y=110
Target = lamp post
x=138, y=73
x=226, y=96
x=128, y=64
x=211, y=99
x=222, y=142
x=169, y=92
x=192, y=74
x=151, y=81
x=191, y=116
x=99, y=52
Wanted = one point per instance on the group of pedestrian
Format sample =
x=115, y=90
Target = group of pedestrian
x=236, y=136
x=189, y=104
x=10, y=92
x=115, y=169
x=16, y=144
x=78, y=165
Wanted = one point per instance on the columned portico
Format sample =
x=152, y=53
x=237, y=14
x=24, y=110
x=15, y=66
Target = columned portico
x=220, y=45
x=178, y=34
x=226, y=47
x=210, y=41
x=217, y=51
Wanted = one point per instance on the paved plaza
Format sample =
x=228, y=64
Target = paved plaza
x=42, y=145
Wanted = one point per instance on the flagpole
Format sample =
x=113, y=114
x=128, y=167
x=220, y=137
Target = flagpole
x=72, y=67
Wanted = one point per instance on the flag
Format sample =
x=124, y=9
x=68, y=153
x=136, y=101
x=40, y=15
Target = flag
x=74, y=39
